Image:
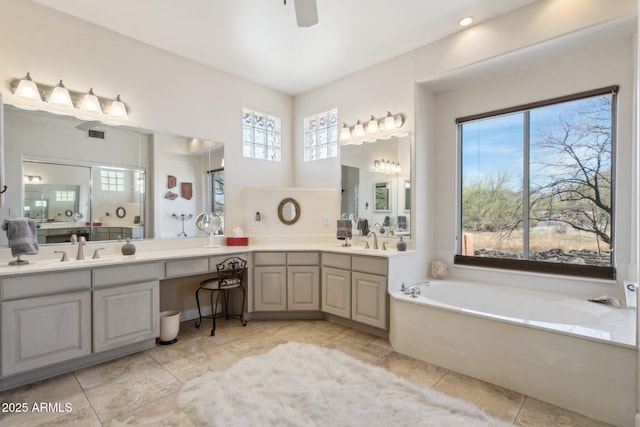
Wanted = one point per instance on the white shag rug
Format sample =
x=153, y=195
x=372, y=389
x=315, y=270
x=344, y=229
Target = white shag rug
x=299, y=384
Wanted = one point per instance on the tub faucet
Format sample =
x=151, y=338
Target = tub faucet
x=81, y=242
x=375, y=239
x=413, y=290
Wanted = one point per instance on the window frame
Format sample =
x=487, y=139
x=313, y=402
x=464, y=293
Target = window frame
x=113, y=179
x=604, y=272
x=277, y=133
x=315, y=132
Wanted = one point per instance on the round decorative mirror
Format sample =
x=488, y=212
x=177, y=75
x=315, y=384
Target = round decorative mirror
x=289, y=211
x=120, y=212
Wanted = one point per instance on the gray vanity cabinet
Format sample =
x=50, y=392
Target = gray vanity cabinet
x=355, y=287
x=286, y=281
x=126, y=303
x=336, y=284
x=46, y=319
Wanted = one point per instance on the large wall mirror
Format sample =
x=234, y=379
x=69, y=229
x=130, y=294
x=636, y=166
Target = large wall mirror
x=376, y=185
x=106, y=182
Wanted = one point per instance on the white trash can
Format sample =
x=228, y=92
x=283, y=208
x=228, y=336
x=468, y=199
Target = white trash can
x=169, y=326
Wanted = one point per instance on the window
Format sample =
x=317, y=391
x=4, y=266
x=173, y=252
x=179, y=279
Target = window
x=111, y=180
x=321, y=136
x=260, y=135
x=64, y=196
x=537, y=186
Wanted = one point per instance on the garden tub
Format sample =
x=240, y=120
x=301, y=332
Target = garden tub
x=567, y=351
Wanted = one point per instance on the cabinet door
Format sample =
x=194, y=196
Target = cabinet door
x=125, y=314
x=303, y=288
x=369, y=304
x=270, y=288
x=336, y=292
x=41, y=331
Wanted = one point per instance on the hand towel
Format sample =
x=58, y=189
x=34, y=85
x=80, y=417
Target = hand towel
x=363, y=226
x=385, y=223
x=22, y=236
x=344, y=229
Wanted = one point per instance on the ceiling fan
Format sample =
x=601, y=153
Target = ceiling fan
x=306, y=12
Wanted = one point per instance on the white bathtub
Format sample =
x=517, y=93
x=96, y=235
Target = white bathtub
x=573, y=353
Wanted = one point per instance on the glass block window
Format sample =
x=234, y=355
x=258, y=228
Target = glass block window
x=111, y=180
x=321, y=136
x=260, y=135
x=65, y=196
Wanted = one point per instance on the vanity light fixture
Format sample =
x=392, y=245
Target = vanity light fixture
x=386, y=166
x=389, y=122
x=118, y=109
x=28, y=89
x=60, y=100
x=345, y=133
x=372, y=125
x=90, y=102
x=61, y=96
x=384, y=128
x=358, y=129
x=32, y=179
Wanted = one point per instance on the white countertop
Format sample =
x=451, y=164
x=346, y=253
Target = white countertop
x=160, y=250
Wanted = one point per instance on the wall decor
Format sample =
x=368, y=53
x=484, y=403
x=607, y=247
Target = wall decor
x=186, y=190
x=172, y=181
x=171, y=195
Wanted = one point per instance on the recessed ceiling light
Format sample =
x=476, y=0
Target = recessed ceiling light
x=466, y=21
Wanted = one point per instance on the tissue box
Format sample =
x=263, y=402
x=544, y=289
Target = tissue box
x=237, y=241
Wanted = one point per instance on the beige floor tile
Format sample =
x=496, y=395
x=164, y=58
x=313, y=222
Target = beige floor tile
x=535, y=413
x=495, y=401
x=365, y=352
x=189, y=359
x=162, y=412
x=316, y=332
x=83, y=417
x=58, y=391
x=105, y=372
x=131, y=391
x=354, y=336
x=412, y=369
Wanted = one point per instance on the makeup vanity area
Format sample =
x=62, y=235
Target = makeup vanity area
x=61, y=316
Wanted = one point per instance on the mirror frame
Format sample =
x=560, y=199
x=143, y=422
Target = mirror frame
x=281, y=211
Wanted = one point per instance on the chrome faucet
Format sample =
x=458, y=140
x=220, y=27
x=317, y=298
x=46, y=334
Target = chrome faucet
x=81, y=242
x=413, y=290
x=375, y=239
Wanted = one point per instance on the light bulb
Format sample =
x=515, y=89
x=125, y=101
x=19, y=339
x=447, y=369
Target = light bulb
x=60, y=96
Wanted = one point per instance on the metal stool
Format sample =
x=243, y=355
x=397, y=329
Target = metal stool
x=231, y=273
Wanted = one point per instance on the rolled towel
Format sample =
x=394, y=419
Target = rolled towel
x=22, y=236
x=344, y=229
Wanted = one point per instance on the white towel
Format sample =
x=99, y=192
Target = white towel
x=22, y=235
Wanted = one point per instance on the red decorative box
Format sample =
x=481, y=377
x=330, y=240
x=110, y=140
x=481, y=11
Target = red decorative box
x=237, y=241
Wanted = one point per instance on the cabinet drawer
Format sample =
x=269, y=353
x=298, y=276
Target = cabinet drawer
x=186, y=267
x=269, y=258
x=369, y=265
x=303, y=258
x=109, y=276
x=44, y=284
x=337, y=261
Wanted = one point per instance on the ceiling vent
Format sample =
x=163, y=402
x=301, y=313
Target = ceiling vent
x=97, y=134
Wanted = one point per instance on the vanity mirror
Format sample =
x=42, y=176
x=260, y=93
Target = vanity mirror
x=376, y=184
x=95, y=179
x=289, y=211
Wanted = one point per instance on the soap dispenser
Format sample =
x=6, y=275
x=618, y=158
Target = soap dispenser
x=128, y=248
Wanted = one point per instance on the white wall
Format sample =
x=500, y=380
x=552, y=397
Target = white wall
x=164, y=92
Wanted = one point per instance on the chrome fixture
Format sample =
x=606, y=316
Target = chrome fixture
x=413, y=290
x=375, y=239
x=60, y=100
x=81, y=242
x=374, y=129
x=96, y=253
x=32, y=179
x=386, y=166
x=64, y=256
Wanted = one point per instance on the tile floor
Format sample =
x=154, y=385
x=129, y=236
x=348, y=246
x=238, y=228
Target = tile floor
x=140, y=390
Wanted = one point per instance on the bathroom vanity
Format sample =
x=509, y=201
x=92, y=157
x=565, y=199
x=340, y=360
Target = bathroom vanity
x=62, y=316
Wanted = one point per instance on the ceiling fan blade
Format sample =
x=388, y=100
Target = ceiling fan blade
x=306, y=12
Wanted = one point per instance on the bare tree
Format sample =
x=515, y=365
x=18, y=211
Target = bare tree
x=571, y=169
